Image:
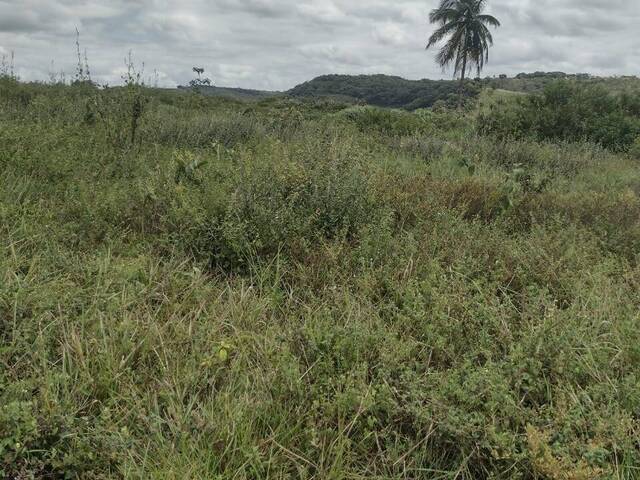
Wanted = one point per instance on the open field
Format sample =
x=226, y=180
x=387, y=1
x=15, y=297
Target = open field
x=192, y=287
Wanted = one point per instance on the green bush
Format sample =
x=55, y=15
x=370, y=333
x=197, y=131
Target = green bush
x=50, y=443
x=384, y=121
x=171, y=127
x=427, y=148
x=287, y=206
x=566, y=111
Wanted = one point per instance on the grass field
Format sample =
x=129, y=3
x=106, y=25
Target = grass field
x=290, y=289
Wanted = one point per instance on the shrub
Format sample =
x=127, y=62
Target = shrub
x=426, y=148
x=566, y=111
x=384, y=121
x=14, y=94
x=285, y=206
x=47, y=443
x=173, y=128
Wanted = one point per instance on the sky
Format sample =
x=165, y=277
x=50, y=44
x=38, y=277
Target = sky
x=277, y=44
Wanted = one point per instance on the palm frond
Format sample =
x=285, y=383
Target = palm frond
x=463, y=22
x=488, y=20
x=441, y=33
x=444, y=15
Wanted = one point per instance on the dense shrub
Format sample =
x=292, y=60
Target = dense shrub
x=14, y=94
x=384, y=121
x=45, y=442
x=567, y=111
x=428, y=148
x=289, y=205
x=172, y=128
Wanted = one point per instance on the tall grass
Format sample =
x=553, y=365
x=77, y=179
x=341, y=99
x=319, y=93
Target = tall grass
x=276, y=290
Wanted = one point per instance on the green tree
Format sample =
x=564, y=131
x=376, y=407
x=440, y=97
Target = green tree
x=469, y=38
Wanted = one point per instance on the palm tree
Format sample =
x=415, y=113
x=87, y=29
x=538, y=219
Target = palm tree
x=199, y=71
x=469, y=37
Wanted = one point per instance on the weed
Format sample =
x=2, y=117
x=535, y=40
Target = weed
x=290, y=289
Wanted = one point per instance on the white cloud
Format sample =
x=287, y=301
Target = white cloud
x=276, y=44
x=325, y=11
x=333, y=54
x=390, y=34
x=230, y=73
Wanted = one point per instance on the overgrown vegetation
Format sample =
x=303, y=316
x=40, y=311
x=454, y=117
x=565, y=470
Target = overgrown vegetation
x=302, y=289
x=537, y=81
x=396, y=92
x=571, y=112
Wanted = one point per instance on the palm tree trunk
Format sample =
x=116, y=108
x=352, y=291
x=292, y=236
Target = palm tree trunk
x=464, y=71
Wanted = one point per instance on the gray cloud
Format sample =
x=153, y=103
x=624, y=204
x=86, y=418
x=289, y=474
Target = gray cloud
x=276, y=44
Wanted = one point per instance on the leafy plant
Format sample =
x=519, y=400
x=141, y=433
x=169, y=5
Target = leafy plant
x=187, y=167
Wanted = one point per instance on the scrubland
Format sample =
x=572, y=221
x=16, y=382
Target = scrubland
x=193, y=287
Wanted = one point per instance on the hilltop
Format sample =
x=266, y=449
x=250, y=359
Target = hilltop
x=384, y=90
x=377, y=90
x=397, y=92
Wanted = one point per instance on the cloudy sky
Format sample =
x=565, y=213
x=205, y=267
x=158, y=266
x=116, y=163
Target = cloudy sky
x=276, y=44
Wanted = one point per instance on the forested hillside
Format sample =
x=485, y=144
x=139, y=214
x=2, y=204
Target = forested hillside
x=384, y=90
x=396, y=92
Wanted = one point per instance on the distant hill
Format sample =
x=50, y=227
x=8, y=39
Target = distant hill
x=397, y=92
x=234, y=93
x=378, y=90
x=384, y=90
